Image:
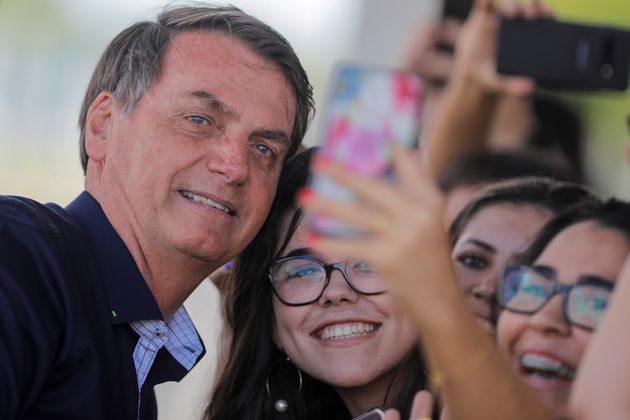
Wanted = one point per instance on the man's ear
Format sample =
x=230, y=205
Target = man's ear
x=97, y=126
x=628, y=153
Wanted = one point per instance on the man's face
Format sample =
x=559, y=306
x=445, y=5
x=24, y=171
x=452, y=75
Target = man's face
x=194, y=167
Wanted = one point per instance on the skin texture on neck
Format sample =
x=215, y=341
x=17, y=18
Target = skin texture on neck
x=361, y=399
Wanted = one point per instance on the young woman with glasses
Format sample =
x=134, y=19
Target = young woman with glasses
x=314, y=335
x=556, y=295
x=405, y=241
x=553, y=298
x=497, y=223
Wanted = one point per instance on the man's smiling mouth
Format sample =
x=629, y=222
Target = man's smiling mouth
x=207, y=201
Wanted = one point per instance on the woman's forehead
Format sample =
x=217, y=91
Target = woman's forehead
x=586, y=248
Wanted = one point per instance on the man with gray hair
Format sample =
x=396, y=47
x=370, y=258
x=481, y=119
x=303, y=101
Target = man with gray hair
x=185, y=127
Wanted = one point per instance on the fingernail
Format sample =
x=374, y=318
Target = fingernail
x=322, y=162
x=312, y=240
x=306, y=196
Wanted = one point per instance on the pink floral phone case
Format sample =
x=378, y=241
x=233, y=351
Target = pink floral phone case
x=368, y=110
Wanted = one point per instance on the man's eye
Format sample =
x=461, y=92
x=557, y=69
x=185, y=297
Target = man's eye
x=473, y=262
x=263, y=149
x=198, y=120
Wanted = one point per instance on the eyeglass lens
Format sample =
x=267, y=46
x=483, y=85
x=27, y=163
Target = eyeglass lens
x=526, y=290
x=302, y=279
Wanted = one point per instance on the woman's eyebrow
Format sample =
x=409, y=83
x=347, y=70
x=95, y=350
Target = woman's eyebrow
x=298, y=252
x=481, y=244
x=545, y=269
x=595, y=280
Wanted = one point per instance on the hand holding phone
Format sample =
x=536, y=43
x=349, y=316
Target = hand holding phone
x=368, y=110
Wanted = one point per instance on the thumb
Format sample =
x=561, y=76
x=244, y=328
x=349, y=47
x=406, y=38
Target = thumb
x=391, y=414
x=422, y=406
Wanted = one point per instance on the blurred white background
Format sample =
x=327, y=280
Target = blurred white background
x=48, y=49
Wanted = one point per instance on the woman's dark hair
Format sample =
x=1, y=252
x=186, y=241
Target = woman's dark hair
x=487, y=167
x=240, y=392
x=557, y=127
x=546, y=193
x=612, y=213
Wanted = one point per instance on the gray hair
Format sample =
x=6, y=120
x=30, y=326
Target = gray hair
x=132, y=62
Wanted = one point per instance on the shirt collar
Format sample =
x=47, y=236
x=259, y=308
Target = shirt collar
x=129, y=296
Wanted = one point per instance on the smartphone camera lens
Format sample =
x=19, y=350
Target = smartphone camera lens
x=606, y=71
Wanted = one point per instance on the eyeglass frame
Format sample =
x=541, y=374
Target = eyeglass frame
x=328, y=269
x=558, y=288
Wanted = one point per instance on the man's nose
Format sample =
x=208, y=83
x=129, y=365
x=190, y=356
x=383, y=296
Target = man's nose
x=230, y=158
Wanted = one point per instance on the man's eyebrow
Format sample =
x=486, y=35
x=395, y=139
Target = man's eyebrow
x=213, y=102
x=276, y=135
x=218, y=105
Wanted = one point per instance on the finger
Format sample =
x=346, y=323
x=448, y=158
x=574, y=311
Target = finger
x=530, y=10
x=376, y=192
x=484, y=5
x=359, y=216
x=444, y=414
x=510, y=9
x=422, y=405
x=391, y=414
x=345, y=247
x=410, y=172
x=423, y=57
x=518, y=86
x=434, y=65
x=547, y=11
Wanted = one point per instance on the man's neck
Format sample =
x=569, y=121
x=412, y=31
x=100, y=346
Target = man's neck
x=170, y=274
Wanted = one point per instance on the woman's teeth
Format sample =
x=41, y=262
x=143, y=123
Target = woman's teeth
x=548, y=368
x=341, y=331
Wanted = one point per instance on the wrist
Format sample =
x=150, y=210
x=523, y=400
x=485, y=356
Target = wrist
x=468, y=88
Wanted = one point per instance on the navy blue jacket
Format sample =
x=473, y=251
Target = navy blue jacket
x=68, y=289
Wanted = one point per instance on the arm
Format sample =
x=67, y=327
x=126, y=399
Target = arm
x=413, y=252
x=28, y=326
x=602, y=389
x=474, y=90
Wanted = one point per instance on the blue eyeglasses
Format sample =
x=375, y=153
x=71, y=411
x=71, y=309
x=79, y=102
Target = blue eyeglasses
x=301, y=280
x=526, y=290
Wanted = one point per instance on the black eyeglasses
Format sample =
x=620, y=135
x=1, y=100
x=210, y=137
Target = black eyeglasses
x=526, y=290
x=301, y=280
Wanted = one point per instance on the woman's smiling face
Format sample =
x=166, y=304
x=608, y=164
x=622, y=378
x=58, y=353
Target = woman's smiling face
x=345, y=339
x=544, y=348
x=491, y=237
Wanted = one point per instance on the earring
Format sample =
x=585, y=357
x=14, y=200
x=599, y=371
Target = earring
x=282, y=405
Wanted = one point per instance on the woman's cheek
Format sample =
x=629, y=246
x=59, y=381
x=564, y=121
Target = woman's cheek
x=509, y=328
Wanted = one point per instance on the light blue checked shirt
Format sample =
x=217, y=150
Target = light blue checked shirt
x=178, y=336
